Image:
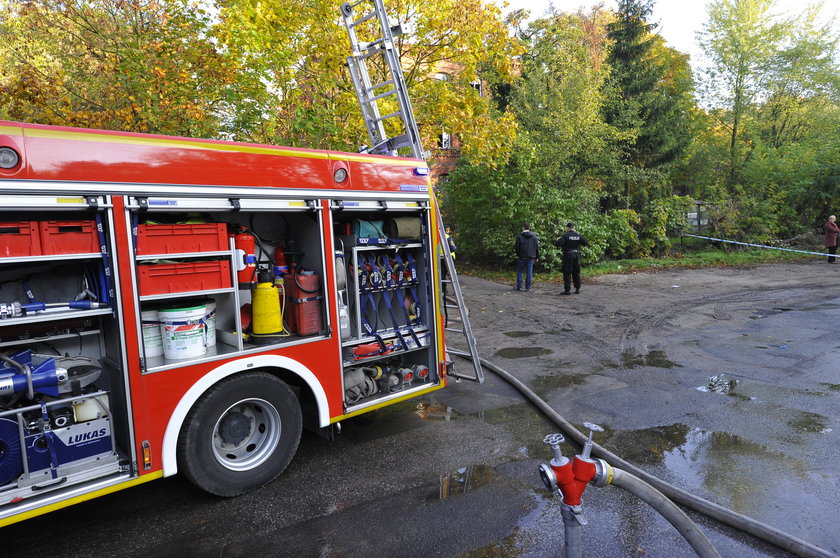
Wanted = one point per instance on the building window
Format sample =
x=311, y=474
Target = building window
x=444, y=140
x=477, y=86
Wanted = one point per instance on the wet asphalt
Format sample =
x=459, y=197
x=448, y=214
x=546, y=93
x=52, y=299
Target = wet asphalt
x=719, y=382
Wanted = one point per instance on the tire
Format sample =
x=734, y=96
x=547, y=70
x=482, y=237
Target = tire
x=240, y=435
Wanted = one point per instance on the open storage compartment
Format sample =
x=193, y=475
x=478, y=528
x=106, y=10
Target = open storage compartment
x=217, y=277
x=385, y=300
x=64, y=412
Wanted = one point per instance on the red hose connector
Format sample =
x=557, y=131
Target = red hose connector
x=573, y=485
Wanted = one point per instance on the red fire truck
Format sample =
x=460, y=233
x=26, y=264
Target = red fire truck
x=172, y=304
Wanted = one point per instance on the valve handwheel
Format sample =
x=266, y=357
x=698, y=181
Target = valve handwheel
x=554, y=439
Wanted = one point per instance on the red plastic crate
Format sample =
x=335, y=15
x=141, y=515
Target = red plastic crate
x=19, y=238
x=182, y=238
x=183, y=277
x=69, y=237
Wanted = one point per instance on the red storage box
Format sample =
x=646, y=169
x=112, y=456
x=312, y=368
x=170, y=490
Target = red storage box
x=183, y=277
x=182, y=239
x=19, y=238
x=69, y=237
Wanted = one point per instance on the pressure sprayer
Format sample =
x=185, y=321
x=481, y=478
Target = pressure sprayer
x=569, y=478
x=267, y=316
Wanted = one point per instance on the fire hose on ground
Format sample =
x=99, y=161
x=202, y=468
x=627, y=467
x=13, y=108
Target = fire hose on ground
x=767, y=533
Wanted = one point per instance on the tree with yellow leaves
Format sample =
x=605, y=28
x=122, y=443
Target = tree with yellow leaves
x=271, y=72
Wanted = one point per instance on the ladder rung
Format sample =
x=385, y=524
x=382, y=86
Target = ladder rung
x=386, y=117
x=368, y=54
x=364, y=18
x=380, y=85
x=373, y=44
x=380, y=96
x=454, y=330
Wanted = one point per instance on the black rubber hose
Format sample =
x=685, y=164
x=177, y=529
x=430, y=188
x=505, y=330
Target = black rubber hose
x=785, y=541
x=667, y=509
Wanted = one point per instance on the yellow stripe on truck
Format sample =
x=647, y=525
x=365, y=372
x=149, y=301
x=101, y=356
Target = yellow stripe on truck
x=78, y=499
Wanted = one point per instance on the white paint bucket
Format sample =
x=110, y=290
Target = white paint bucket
x=152, y=341
x=210, y=321
x=183, y=331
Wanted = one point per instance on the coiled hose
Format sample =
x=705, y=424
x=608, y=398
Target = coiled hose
x=782, y=540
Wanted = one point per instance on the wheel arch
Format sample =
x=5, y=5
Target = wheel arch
x=283, y=367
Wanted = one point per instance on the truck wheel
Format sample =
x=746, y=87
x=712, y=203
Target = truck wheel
x=240, y=435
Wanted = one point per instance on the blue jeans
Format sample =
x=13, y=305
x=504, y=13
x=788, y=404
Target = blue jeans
x=525, y=265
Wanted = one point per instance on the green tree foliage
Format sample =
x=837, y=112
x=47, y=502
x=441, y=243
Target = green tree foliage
x=552, y=176
x=740, y=40
x=568, y=151
x=559, y=98
x=773, y=86
x=648, y=99
x=487, y=208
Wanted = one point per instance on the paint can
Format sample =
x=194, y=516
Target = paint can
x=184, y=331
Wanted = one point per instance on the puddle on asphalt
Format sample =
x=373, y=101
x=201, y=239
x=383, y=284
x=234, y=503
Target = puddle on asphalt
x=645, y=446
x=519, y=333
x=655, y=359
x=806, y=422
x=735, y=388
x=819, y=307
x=436, y=411
x=509, y=547
x=465, y=479
x=719, y=384
x=725, y=464
x=543, y=385
x=523, y=352
x=528, y=427
x=759, y=314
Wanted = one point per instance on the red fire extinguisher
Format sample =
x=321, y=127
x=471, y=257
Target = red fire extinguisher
x=246, y=259
x=281, y=268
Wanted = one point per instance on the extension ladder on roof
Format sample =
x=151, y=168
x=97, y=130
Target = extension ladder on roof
x=369, y=94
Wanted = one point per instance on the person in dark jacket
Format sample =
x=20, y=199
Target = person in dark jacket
x=527, y=249
x=831, y=232
x=570, y=243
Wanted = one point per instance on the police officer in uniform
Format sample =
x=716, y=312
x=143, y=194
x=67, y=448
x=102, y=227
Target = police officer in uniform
x=570, y=243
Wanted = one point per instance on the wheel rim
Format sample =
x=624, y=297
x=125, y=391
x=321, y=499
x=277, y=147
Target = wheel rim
x=246, y=434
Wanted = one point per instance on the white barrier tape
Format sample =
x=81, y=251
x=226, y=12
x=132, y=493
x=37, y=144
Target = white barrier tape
x=761, y=246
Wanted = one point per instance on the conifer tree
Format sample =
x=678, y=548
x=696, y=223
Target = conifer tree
x=648, y=98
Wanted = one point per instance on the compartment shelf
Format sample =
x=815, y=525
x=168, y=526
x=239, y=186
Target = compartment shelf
x=59, y=315
x=185, y=255
x=51, y=258
x=387, y=335
x=397, y=350
x=185, y=294
x=31, y=340
x=160, y=363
